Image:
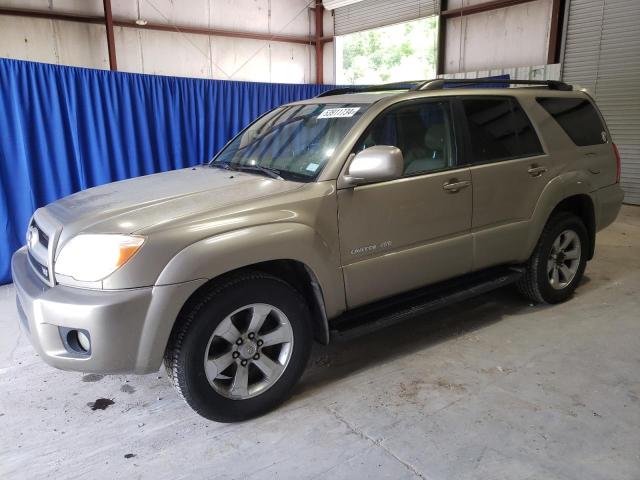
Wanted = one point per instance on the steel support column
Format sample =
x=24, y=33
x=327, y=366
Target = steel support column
x=111, y=44
x=319, y=41
x=442, y=40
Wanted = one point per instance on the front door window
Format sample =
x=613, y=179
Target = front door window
x=422, y=131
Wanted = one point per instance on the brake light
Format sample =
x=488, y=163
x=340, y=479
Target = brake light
x=617, y=154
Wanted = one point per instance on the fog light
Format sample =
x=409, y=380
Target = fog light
x=77, y=341
x=83, y=341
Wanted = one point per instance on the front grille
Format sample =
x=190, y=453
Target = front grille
x=43, y=238
x=41, y=269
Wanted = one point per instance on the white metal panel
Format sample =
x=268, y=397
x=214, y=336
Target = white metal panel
x=369, y=14
x=172, y=53
x=536, y=72
x=53, y=41
x=515, y=35
x=602, y=53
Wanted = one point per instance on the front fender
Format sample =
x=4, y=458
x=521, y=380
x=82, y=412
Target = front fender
x=223, y=253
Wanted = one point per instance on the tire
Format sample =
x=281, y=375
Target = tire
x=544, y=283
x=211, y=325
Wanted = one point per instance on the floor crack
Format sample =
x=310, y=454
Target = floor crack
x=375, y=442
x=13, y=350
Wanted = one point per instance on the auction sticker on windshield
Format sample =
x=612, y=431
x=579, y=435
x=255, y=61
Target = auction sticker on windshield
x=339, y=112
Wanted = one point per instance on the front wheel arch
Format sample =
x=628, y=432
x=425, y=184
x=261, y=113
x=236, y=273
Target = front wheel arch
x=295, y=273
x=201, y=317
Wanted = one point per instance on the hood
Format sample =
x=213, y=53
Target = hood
x=131, y=205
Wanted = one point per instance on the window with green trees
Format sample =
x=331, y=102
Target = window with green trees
x=406, y=51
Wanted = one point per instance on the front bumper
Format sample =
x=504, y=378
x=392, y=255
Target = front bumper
x=129, y=329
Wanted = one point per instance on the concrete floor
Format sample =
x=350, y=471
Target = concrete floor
x=492, y=388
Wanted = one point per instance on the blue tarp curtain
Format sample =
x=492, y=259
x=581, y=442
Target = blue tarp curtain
x=64, y=129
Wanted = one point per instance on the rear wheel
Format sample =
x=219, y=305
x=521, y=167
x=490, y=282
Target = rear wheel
x=240, y=348
x=558, y=261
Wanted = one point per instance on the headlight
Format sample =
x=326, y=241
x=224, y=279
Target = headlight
x=89, y=258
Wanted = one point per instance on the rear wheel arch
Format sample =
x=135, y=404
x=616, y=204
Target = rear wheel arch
x=582, y=206
x=557, y=264
x=569, y=192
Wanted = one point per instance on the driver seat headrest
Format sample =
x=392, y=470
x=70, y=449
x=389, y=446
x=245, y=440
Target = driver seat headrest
x=434, y=138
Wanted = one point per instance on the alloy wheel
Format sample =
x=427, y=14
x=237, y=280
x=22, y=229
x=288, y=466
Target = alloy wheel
x=248, y=351
x=564, y=259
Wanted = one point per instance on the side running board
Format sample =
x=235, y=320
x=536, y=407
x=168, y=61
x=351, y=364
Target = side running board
x=387, y=312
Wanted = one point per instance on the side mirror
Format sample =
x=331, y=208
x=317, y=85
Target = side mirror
x=375, y=164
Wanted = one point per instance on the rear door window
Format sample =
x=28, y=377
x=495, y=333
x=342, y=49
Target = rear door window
x=499, y=130
x=577, y=117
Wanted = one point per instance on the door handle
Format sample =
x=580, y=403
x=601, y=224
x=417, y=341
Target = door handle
x=536, y=170
x=595, y=171
x=454, y=186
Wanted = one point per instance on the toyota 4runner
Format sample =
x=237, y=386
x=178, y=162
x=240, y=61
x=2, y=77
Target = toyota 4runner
x=325, y=217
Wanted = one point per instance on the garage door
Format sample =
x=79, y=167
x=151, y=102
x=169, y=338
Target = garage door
x=602, y=53
x=369, y=14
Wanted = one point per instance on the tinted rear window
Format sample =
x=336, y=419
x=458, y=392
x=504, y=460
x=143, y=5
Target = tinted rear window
x=577, y=117
x=499, y=130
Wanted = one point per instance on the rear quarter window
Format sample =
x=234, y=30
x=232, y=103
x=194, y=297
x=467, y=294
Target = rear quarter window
x=577, y=117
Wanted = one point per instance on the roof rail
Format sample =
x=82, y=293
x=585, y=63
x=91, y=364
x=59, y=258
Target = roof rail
x=410, y=85
x=440, y=83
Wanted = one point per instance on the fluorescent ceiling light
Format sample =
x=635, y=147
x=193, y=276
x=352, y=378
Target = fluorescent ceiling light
x=333, y=4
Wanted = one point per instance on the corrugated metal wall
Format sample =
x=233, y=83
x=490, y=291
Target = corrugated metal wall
x=369, y=14
x=602, y=54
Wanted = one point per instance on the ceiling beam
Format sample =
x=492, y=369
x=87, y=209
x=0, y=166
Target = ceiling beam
x=481, y=7
x=71, y=17
x=213, y=32
x=50, y=15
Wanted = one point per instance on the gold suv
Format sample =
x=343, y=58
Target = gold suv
x=326, y=217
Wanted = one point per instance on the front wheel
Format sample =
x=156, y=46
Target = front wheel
x=240, y=348
x=558, y=261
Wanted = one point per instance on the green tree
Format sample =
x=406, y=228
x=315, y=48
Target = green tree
x=377, y=52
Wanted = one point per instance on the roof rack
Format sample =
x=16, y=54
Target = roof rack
x=440, y=83
x=410, y=85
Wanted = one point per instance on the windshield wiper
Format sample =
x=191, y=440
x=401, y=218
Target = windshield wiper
x=222, y=165
x=269, y=172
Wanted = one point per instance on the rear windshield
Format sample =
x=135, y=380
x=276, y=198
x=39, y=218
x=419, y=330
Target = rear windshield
x=577, y=117
x=295, y=142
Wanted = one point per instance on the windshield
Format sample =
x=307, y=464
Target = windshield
x=292, y=142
